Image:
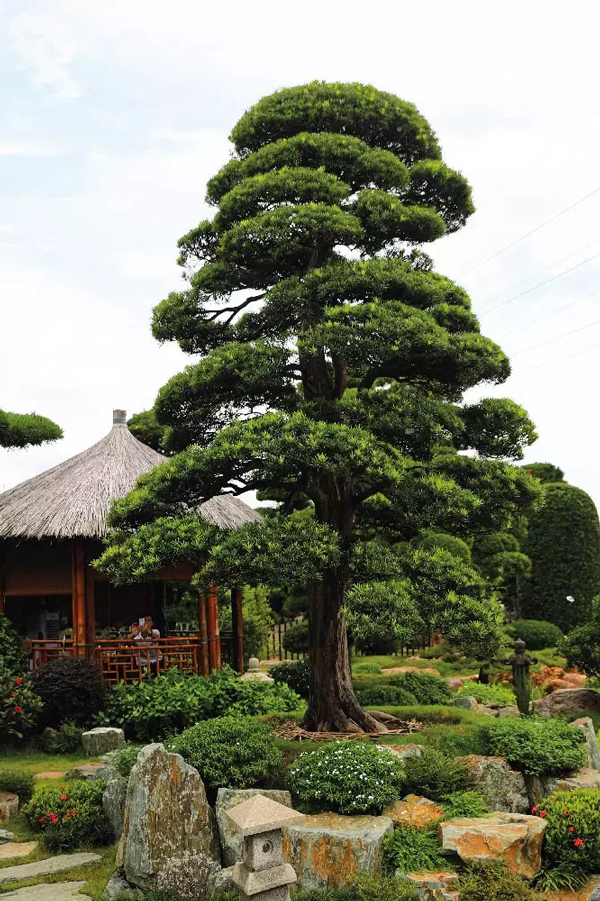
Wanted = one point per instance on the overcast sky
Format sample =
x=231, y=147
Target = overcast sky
x=115, y=114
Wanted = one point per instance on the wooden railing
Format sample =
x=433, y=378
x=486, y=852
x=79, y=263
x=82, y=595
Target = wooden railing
x=124, y=660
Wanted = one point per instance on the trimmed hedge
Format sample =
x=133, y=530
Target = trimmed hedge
x=536, y=633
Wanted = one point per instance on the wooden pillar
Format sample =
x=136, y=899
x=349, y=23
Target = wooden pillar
x=1, y=583
x=78, y=598
x=237, y=621
x=90, y=612
x=203, y=628
x=214, y=641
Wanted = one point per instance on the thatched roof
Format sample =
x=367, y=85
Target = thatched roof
x=73, y=499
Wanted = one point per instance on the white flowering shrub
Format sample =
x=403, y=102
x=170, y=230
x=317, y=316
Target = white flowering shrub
x=347, y=777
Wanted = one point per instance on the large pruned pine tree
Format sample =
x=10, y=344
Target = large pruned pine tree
x=19, y=430
x=333, y=364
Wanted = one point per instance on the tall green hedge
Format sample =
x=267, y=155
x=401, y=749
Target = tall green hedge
x=563, y=542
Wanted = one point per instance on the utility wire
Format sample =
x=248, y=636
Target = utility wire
x=574, y=331
x=533, y=230
x=553, y=312
x=575, y=353
x=541, y=284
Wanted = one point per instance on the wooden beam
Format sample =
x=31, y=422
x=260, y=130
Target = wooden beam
x=214, y=641
x=1, y=583
x=90, y=611
x=203, y=629
x=78, y=598
x=237, y=620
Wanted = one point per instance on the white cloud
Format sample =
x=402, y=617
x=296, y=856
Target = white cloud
x=28, y=148
x=44, y=47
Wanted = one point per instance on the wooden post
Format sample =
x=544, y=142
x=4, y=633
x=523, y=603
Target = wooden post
x=214, y=642
x=90, y=613
x=1, y=584
x=78, y=598
x=237, y=621
x=203, y=628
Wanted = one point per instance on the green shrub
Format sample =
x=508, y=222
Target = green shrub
x=70, y=816
x=426, y=688
x=347, y=776
x=434, y=775
x=295, y=674
x=493, y=881
x=124, y=759
x=409, y=850
x=572, y=837
x=537, y=746
x=295, y=639
x=230, y=752
x=385, y=696
x=257, y=620
x=494, y=693
x=18, y=782
x=64, y=740
x=13, y=658
x=470, y=804
x=169, y=704
x=72, y=690
x=20, y=707
x=459, y=742
x=367, y=668
x=536, y=633
x=382, y=888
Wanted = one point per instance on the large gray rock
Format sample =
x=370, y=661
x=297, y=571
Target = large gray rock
x=6, y=836
x=503, y=788
x=512, y=837
x=9, y=805
x=170, y=835
x=465, y=703
x=231, y=841
x=586, y=725
x=113, y=801
x=441, y=886
x=119, y=888
x=328, y=850
x=57, y=891
x=100, y=741
x=568, y=702
x=223, y=882
x=540, y=787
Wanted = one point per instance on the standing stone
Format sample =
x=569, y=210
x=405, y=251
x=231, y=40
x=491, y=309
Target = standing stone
x=100, y=741
x=465, y=702
x=113, y=802
x=328, y=850
x=9, y=805
x=441, y=886
x=568, y=702
x=512, y=837
x=169, y=835
x=586, y=725
x=232, y=843
x=504, y=789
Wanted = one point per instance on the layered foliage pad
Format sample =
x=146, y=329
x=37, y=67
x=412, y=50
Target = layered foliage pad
x=26, y=429
x=334, y=363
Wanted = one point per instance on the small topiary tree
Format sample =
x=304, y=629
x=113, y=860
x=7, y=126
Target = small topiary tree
x=71, y=689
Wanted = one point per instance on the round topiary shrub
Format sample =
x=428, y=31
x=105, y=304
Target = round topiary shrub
x=295, y=674
x=70, y=816
x=493, y=881
x=536, y=633
x=435, y=775
x=572, y=837
x=386, y=696
x=71, y=689
x=348, y=777
x=537, y=746
x=230, y=752
x=493, y=693
x=427, y=688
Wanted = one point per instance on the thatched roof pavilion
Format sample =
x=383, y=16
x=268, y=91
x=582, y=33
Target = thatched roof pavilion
x=51, y=527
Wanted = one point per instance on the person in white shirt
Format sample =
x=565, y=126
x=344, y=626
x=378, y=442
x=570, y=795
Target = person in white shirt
x=150, y=635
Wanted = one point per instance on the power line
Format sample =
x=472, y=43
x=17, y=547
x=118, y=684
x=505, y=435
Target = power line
x=541, y=284
x=533, y=230
x=574, y=331
x=575, y=353
x=553, y=312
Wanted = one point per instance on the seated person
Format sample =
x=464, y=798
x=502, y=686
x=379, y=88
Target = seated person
x=149, y=635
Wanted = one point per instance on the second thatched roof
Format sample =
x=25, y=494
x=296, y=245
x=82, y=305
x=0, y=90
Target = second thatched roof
x=73, y=499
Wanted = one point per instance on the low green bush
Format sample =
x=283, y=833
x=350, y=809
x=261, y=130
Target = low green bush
x=382, y=888
x=470, y=804
x=537, y=746
x=409, y=850
x=385, y=696
x=493, y=881
x=20, y=707
x=367, y=668
x=71, y=816
x=124, y=759
x=295, y=674
x=348, y=777
x=13, y=658
x=18, y=782
x=572, y=837
x=494, y=693
x=230, y=752
x=536, y=633
x=426, y=688
x=72, y=690
x=64, y=740
x=434, y=775
x=155, y=710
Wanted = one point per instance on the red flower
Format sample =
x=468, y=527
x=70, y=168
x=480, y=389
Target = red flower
x=535, y=809
x=543, y=813
x=42, y=820
x=571, y=828
x=19, y=681
x=18, y=710
x=565, y=813
x=53, y=819
x=13, y=694
x=578, y=843
x=63, y=797
x=74, y=813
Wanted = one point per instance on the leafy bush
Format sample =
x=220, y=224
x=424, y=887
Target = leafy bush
x=468, y=804
x=385, y=696
x=434, y=775
x=410, y=850
x=18, y=782
x=581, y=646
x=494, y=693
x=295, y=639
x=426, y=688
x=347, y=776
x=537, y=746
x=71, y=689
x=536, y=633
x=13, y=659
x=64, y=740
x=493, y=881
x=232, y=752
x=572, y=837
x=70, y=816
x=171, y=703
x=367, y=668
x=19, y=706
x=124, y=759
x=295, y=674
x=382, y=888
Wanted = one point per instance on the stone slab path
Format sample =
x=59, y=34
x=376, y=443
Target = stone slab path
x=59, y=864
x=16, y=849
x=59, y=891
